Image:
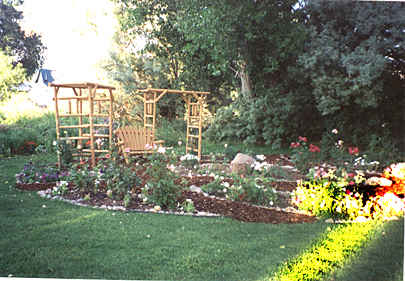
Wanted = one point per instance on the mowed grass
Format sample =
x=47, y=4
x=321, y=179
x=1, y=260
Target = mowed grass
x=52, y=239
x=383, y=259
x=47, y=238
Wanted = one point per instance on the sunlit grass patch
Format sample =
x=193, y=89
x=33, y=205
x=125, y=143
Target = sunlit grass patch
x=329, y=254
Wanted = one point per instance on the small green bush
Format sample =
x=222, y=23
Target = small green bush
x=252, y=189
x=161, y=189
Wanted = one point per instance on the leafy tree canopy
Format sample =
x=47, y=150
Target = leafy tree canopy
x=275, y=70
x=26, y=49
x=10, y=76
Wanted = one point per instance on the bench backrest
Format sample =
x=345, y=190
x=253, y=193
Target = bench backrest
x=135, y=138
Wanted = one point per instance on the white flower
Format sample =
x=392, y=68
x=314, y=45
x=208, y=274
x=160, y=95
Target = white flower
x=171, y=167
x=335, y=131
x=224, y=190
x=157, y=208
x=271, y=203
x=340, y=142
x=161, y=149
x=189, y=200
x=226, y=184
x=188, y=157
x=260, y=157
x=145, y=199
x=54, y=142
x=179, y=143
x=226, y=145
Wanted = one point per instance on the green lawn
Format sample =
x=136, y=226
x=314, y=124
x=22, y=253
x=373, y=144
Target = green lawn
x=45, y=238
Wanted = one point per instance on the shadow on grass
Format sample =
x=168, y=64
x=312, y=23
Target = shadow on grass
x=382, y=259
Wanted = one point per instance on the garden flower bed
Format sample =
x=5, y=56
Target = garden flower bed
x=166, y=183
x=190, y=200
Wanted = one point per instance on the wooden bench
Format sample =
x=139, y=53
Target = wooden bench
x=134, y=140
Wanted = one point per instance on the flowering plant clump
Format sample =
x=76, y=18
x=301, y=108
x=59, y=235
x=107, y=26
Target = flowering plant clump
x=251, y=189
x=330, y=193
x=305, y=155
x=189, y=160
x=336, y=194
x=37, y=173
x=60, y=188
x=187, y=206
x=161, y=188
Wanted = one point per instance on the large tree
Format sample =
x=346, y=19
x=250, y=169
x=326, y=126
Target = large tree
x=220, y=46
x=355, y=60
x=23, y=48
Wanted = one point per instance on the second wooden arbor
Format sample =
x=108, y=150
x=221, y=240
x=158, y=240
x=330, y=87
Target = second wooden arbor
x=195, y=108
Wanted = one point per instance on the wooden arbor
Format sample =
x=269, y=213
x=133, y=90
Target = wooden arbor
x=92, y=105
x=195, y=104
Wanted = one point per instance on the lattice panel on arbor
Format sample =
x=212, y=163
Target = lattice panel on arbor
x=87, y=114
x=194, y=102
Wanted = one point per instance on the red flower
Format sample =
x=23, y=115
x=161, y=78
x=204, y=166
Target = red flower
x=351, y=175
x=347, y=192
x=314, y=148
x=353, y=150
x=351, y=183
x=304, y=139
x=294, y=144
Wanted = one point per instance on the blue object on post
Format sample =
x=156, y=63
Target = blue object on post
x=46, y=76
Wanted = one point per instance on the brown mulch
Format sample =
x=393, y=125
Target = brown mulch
x=35, y=186
x=243, y=211
x=240, y=211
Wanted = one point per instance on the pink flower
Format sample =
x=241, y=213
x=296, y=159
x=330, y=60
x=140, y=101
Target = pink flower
x=304, y=139
x=351, y=175
x=107, y=156
x=314, y=148
x=353, y=150
x=351, y=183
x=127, y=149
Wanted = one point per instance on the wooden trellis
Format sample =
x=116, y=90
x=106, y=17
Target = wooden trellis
x=90, y=104
x=195, y=103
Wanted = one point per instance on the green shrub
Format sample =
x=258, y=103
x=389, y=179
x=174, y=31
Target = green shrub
x=161, y=189
x=253, y=189
x=109, y=175
x=171, y=131
x=17, y=134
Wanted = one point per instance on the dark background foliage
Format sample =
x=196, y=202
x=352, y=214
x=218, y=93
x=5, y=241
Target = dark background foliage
x=275, y=69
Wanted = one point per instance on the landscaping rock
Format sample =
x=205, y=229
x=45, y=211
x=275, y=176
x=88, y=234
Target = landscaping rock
x=241, y=163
